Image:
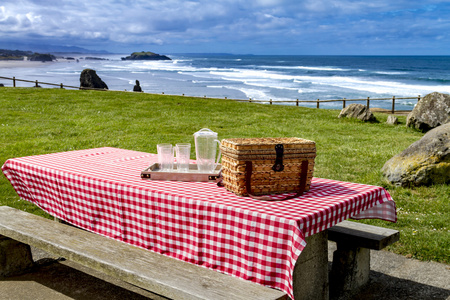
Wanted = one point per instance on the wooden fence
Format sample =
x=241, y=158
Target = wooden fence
x=297, y=101
x=36, y=84
x=344, y=101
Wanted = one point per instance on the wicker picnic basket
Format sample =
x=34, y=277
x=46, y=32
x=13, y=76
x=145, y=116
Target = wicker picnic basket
x=263, y=166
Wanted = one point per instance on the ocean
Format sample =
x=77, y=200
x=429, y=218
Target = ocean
x=279, y=78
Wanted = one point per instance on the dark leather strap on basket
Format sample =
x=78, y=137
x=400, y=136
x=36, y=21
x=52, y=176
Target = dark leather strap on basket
x=278, y=166
x=302, y=187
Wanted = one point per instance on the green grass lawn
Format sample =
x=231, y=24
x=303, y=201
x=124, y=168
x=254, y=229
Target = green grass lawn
x=37, y=121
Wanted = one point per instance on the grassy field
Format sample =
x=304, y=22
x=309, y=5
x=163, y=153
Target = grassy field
x=36, y=121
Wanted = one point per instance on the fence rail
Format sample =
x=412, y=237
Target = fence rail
x=297, y=101
x=14, y=80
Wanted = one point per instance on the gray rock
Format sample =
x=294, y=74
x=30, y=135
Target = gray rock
x=41, y=57
x=392, y=120
x=425, y=162
x=146, y=56
x=137, y=87
x=357, y=111
x=430, y=112
x=90, y=79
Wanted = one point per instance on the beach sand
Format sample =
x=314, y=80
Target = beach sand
x=388, y=111
x=6, y=64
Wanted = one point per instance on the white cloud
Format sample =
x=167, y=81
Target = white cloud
x=225, y=23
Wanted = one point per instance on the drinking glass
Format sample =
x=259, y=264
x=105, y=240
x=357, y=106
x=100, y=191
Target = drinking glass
x=183, y=154
x=165, y=157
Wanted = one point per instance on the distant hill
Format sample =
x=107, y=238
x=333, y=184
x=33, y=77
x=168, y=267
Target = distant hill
x=13, y=54
x=19, y=55
x=49, y=48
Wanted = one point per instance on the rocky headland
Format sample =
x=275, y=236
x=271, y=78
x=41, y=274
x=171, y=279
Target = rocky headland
x=23, y=55
x=146, y=56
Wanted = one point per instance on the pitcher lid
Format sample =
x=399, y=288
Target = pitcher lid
x=205, y=132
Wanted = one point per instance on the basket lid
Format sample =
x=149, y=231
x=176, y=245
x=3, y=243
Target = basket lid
x=266, y=146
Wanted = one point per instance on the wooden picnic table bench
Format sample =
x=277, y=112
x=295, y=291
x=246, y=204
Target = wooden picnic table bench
x=169, y=277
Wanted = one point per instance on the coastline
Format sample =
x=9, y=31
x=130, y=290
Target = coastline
x=281, y=80
x=9, y=64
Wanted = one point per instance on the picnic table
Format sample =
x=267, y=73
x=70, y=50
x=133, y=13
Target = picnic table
x=101, y=190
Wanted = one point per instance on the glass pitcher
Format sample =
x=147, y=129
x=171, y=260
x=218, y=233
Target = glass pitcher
x=205, y=150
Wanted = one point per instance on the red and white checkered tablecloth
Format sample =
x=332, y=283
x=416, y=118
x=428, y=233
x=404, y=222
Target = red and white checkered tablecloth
x=101, y=190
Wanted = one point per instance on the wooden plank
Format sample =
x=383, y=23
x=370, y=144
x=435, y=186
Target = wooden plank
x=362, y=235
x=151, y=271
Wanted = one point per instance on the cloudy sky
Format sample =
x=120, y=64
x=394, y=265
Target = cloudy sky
x=402, y=27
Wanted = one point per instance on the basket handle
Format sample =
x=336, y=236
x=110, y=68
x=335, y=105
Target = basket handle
x=302, y=187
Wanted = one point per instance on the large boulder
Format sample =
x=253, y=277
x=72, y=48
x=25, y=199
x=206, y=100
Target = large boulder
x=430, y=112
x=90, y=79
x=137, y=87
x=357, y=111
x=425, y=162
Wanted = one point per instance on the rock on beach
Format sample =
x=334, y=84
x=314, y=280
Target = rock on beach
x=90, y=79
x=146, y=56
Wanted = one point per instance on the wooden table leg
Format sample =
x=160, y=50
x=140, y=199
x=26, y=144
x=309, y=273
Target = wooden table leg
x=311, y=269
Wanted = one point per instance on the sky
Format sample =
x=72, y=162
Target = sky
x=273, y=27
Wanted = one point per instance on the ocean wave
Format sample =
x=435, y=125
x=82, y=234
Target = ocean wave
x=434, y=79
x=407, y=103
x=328, y=68
x=254, y=93
x=249, y=93
x=268, y=85
x=216, y=86
x=249, y=74
x=276, y=80
x=62, y=72
x=175, y=61
x=390, y=73
x=377, y=87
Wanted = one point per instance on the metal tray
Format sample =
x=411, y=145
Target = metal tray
x=154, y=173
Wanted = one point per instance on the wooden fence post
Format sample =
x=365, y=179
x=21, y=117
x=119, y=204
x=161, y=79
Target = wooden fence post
x=37, y=85
x=296, y=103
x=343, y=103
x=14, y=81
x=368, y=102
x=318, y=103
x=270, y=101
x=62, y=86
x=393, y=105
x=418, y=99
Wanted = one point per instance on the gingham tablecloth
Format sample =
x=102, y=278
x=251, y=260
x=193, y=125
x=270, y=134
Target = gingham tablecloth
x=101, y=190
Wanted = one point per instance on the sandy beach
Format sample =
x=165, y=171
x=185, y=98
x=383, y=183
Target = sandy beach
x=5, y=64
